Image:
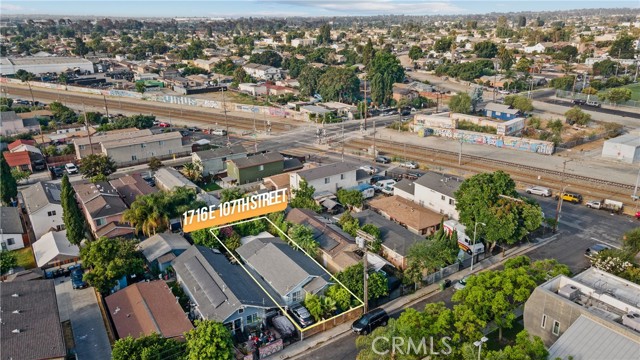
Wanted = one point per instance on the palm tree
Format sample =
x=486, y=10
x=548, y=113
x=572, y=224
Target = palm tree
x=148, y=214
x=567, y=67
x=192, y=171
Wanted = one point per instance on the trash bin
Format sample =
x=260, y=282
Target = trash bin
x=442, y=285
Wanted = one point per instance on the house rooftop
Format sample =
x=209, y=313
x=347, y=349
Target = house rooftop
x=54, y=246
x=35, y=332
x=100, y=199
x=116, y=143
x=405, y=185
x=326, y=171
x=255, y=160
x=491, y=106
x=221, y=152
x=119, y=134
x=281, y=266
x=130, y=187
x=10, y=223
x=145, y=308
x=18, y=158
x=331, y=239
x=394, y=236
x=160, y=244
x=442, y=183
x=406, y=212
x=171, y=178
x=40, y=195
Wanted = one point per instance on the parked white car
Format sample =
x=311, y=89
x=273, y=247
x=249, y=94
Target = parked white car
x=410, y=164
x=71, y=168
x=369, y=169
x=462, y=283
x=539, y=190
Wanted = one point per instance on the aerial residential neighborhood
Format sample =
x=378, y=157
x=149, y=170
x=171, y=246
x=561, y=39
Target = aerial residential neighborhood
x=320, y=180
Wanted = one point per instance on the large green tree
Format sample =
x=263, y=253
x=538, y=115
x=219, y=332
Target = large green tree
x=303, y=237
x=353, y=278
x=97, y=167
x=151, y=213
x=303, y=197
x=415, y=52
x=350, y=198
x=339, y=84
x=491, y=198
x=8, y=185
x=519, y=102
x=430, y=255
x=210, y=340
x=460, y=103
x=150, y=347
x=74, y=221
x=485, y=49
x=494, y=295
x=576, y=115
x=309, y=79
x=384, y=71
x=617, y=95
x=8, y=261
x=108, y=260
x=622, y=47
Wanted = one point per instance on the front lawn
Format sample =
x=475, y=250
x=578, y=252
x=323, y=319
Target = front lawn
x=25, y=258
x=211, y=186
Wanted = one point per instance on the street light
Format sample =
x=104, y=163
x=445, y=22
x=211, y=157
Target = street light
x=479, y=344
x=473, y=247
x=559, y=208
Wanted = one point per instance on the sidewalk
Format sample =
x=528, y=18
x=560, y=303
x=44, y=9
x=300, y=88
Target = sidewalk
x=298, y=349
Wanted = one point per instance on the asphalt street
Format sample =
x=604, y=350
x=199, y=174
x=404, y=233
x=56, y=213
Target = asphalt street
x=579, y=228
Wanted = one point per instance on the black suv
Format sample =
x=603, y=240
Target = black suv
x=370, y=321
x=57, y=172
x=579, y=102
x=302, y=315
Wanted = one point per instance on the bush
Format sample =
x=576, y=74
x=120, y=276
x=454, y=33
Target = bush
x=467, y=125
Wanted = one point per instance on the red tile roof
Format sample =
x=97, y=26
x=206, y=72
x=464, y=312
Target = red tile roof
x=17, y=158
x=19, y=142
x=147, y=307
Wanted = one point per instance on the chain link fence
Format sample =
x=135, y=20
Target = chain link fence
x=563, y=94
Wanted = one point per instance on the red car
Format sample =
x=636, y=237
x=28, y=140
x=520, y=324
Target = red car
x=638, y=215
x=164, y=125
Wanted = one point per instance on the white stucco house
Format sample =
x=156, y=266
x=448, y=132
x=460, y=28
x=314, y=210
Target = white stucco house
x=11, y=229
x=432, y=190
x=42, y=201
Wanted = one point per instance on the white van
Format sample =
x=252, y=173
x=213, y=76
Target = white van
x=383, y=184
x=219, y=132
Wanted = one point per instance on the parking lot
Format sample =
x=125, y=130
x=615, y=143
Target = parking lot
x=81, y=307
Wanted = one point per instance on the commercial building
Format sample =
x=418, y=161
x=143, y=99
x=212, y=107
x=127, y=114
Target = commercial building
x=44, y=64
x=625, y=148
x=594, y=315
x=93, y=145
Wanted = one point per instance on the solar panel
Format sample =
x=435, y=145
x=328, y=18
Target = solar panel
x=55, y=193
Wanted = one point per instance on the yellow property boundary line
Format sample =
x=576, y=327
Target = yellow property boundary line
x=295, y=323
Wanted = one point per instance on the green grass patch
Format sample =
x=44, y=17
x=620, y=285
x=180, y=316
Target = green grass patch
x=508, y=336
x=211, y=186
x=635, y=91
x=25, y=258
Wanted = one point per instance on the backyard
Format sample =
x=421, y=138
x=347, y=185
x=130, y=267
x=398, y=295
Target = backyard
x=25, y=258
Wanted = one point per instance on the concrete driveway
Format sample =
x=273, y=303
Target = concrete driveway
x=81, y=307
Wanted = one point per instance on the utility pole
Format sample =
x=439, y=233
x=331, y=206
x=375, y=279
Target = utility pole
x=342, y=140
x=559, y=206
x=106, y=109
x=226, y=121
x=365, y=103
x=33, y=100
x=86, y=124
x=460, y=154
x=374, y=140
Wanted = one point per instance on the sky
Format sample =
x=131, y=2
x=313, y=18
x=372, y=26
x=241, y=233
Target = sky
x=284, y=8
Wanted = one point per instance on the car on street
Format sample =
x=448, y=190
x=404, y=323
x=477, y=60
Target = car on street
x=219, y=132
x=383, y=159
x=504, y=92
x=579, y=102
x=76, y=279
x=370, y=321
x=539, y=190
x=57, y=172
x=302, y=315
x=462, y=283
x=184, y=133
x=194, y=129
x=164, y=125
x=409, y=164
x=570, y=197
x=369, y=169
x=596, y=249
x=593, y=104
x=71, y=168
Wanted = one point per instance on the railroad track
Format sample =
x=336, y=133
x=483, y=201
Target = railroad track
x=159, y=109
x=523, y=174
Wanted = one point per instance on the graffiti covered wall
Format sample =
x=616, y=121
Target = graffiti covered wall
x=509, y=142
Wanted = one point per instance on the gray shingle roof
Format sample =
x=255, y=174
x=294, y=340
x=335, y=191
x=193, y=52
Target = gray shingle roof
x=328, y=236
x=218, y=287
x=394, y=236
x=40, y=195
x=160, y=244
x=442, y=183
x=40, y=335
x=221, y=152
x=10, y=221
x=405, y=185
x=282, y=267
x=326, y=171
x=259, y=159
x=501, y=108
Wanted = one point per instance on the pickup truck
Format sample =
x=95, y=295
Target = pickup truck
x=606, y=204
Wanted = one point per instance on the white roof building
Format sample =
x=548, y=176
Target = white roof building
x=53, y=248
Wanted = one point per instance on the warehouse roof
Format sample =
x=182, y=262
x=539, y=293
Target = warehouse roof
x=40, y=60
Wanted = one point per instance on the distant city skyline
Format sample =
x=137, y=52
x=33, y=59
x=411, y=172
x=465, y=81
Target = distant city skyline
x=290, y=8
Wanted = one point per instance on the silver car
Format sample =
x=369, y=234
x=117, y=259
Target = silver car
x=539, y=190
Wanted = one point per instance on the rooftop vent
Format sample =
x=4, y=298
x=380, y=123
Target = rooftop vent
x=569, y=291
x=16, y=331
x=16, y=312
x=15, y=295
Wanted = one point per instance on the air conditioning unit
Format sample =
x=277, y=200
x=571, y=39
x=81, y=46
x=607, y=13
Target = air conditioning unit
x=569, y=291
x=632, y=320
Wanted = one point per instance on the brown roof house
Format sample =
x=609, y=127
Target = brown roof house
x=337, y=248
x=417, y=219
x=103, y=209
x=131, y=186
x=145, y=308
x=31, y=327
